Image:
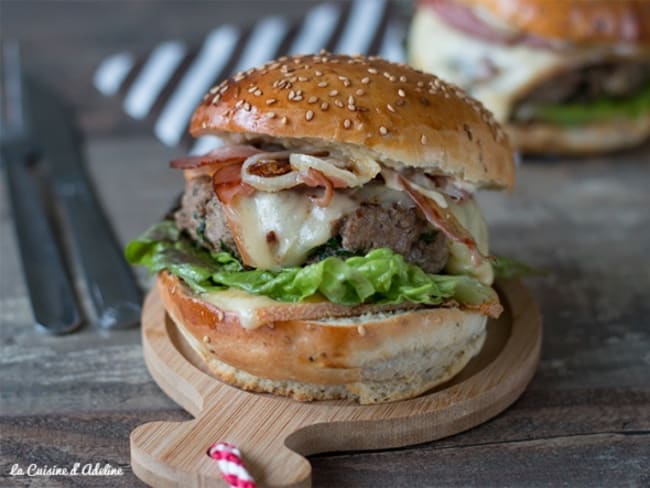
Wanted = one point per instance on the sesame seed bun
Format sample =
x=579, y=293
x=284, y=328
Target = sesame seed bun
x=391, y=112
x=578, y=21
x=372, y=358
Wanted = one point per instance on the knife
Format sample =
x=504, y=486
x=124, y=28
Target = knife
x=50, y=290
x=109, y=279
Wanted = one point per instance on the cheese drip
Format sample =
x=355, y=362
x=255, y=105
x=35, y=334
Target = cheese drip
x=279, y=229
x=470, y=217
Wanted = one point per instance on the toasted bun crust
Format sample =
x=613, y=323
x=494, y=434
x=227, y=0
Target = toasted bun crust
x=372, y=358
x=391, y=112
x=579, y=21
x=590, y=139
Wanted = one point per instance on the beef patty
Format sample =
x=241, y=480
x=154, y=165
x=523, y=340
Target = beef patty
x=369, y=226
x=610, y=79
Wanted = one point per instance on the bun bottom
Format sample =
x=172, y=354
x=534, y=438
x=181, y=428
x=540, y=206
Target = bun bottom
x=371, y=358
x=600, y=137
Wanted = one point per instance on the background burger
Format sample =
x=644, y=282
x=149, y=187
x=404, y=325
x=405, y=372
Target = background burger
x=332, y=247
x=567, y=76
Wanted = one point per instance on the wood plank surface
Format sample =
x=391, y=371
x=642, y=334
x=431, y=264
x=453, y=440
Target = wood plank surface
x=585, y=418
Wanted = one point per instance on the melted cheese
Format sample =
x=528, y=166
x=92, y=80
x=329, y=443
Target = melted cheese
x=496, y=74
x=460, y=260
x=245, y=305
x=279, y=229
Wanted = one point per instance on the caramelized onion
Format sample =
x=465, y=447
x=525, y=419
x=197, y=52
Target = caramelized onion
x=256, y=178
x=341, y=177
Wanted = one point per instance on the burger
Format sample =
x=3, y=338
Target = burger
x=332, y=247
x=568, y=76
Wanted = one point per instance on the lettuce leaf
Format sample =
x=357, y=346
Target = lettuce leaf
x=570, y=114
x=381, y=276
x=508, y=268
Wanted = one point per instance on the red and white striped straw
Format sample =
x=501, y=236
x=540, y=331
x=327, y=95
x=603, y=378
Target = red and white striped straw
x=231, y=465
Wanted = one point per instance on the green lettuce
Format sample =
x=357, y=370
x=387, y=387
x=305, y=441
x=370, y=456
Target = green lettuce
x=570, y=114
x=508, y=268
x=381, y=276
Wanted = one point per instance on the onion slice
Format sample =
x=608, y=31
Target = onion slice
x=268, y=183
x=342, y=178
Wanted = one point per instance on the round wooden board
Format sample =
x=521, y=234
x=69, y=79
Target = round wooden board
x=274, y=433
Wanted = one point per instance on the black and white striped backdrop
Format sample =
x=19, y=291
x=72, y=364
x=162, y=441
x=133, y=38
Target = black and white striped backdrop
x=164, y=86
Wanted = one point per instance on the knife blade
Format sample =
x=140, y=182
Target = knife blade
x=50, y=289
x=109, y=279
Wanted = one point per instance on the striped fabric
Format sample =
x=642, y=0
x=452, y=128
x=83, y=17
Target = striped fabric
x=164, y=86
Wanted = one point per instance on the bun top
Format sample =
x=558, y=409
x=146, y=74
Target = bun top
x=579, y=21
x=388, y=111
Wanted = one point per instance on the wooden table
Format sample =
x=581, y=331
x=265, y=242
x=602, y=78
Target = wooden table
x=584, y=420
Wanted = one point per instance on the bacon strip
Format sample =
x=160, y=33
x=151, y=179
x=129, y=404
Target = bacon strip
x=227, y=183
x=444, y=220
x=463, y=19
x=315, y=178
x=217, y=157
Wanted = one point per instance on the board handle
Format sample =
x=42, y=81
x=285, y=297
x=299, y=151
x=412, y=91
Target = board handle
x=176, y=453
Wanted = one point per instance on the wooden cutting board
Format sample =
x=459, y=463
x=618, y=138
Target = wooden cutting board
x=275, y=433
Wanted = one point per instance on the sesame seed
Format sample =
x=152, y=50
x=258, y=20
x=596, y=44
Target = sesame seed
x=252, y=89
x=402, y=79
x=239, y=103
x=352, y=108
x=347, y=123
x=297, y=98
x=258, y=93
x=401, y=93
x=390, y=107
x=350, y=100
x=323, y=84
x=360, y=92
x=383, y=130
x=423, y=139
x=372, y=71
x=271, y=101
x=291, y=94
x=346, y=83
x=342, y=78
x=223, y=89
x=312, y=99
x=284, y=120
x=318, y=73
x=365, y=80
x=216, y=99
x=324, y=106
x=339, y=103
x=271, y=115
x=247, y=107
x=333, y=93
x=213, y=90
x=303, y=78
x=420, y=84
x=309, y=115
x=206, y=339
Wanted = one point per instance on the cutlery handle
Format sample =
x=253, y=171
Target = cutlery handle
x=50, y=291
x=109, y=279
